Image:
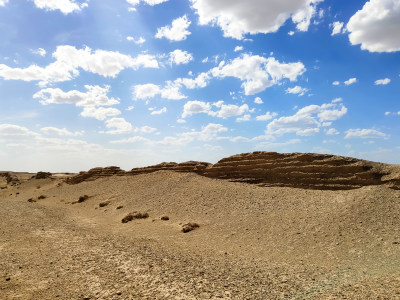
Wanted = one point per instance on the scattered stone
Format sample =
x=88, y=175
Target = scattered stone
x=119, y=207
x=134, y=215
x=31, y=200
x=105, y=203
x=165, y=218
x=83, y=198
x=189, y=227
x=42, y=197
x=8, y=279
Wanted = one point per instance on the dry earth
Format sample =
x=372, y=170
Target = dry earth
x=254, y=242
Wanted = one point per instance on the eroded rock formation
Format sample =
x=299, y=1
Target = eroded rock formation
x=10, y=178
x=302, y=170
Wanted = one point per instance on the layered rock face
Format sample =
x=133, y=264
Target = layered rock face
x=302, y=170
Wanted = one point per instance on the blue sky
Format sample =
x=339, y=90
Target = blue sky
x=137, y=82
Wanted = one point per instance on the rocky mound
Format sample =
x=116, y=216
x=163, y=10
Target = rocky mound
x=41, y=175
x=11, y=178
x=302, y=170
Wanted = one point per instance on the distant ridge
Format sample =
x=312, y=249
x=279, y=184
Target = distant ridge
x=300, y=170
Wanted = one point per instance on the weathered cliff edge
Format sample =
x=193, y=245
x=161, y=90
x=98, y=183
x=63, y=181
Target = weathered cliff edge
x=301, y=170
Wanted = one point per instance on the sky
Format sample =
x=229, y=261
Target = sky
x=88, y=83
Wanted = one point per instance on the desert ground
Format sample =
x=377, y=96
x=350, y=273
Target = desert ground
x=67, y=241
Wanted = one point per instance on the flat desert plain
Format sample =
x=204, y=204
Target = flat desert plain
x=68, y=241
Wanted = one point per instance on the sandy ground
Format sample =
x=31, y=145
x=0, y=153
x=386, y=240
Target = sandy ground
x=253, y=242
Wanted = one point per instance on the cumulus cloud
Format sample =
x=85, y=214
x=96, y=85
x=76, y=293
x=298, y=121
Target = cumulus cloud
x=100, y=113
x=139, y=41
x=332, y=131
x=200, y=81
x=350, y=81
x=15, y=131
x=208, y=132
x=159, y=112
x=267, y=116
x=70, y=59
x=244, y=118
x=224, y=110
x=257, y=72
x=118, y=126
x=134, y=3
x=195, y=107
x=180, y=57
x=238, y=48
x=94, y=96
x=60, y=131
x=237, y=18
x=40, y=52
x=335, y=83
x=149, y=91
x=3, y=2
x=307, y=120
x=296, y=90
x=376, y=26
x=177, y=31
x=337, y=28
x=364, y=134
x=65, y=6
x=384, y=81
x=258, y=100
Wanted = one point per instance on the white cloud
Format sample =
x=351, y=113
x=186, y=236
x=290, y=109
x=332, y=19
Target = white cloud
x=200, y=81
x=225, y=111
x=118, y=126
x=39, y=51
x=332, y=131
x=237, y=18
x=65, y=6
x=291, y=33
x=180, y=57
x=208, y=132
x=337, y=27
x=99, y=113
x=271, y=146
x=105, y=63
x=176, y=32
x=15, y=131
x=159, y=112
x=149, y=91
x=139, y=41
x=231, y=110
x=60, y=131
x=145, y=129
x=258, y=100
x=364, y=134
x=149, y=2
x=95, y=96
x=146, y=91
x=376, y=26
x=266, y=117
x=238, y=48
x=382, y=81
x=245, y=118
x=296, y=90
x=336, y=83
x=258, y=73
x=3, y=2
x=350, y=81
x=195, y=107
x=69, y=60
x=307, y=120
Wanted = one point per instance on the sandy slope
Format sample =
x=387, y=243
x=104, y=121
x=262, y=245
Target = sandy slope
x=253, y=242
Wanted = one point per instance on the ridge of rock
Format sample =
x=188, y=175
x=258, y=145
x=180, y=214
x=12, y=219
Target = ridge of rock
x=301, y=170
